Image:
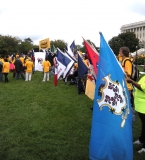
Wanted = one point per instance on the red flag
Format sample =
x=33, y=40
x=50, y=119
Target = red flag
x=55, y=77
x=93, y=55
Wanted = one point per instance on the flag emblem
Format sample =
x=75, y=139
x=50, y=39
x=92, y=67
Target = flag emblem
x=114, y=96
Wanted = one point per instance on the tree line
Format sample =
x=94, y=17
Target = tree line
x=11, y=45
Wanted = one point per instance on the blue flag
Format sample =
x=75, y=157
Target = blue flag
x=62, y=58
x=82, y=68
x=111, y=133
x=73, y=46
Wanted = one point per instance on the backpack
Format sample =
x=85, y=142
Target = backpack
x=1, y=66
x=135, y=75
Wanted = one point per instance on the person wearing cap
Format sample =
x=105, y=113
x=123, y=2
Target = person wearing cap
x=29, y=68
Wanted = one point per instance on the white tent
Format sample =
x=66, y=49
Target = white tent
x=138, y=52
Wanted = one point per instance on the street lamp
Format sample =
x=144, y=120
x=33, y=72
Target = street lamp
x=136, y=51
x=136, y=54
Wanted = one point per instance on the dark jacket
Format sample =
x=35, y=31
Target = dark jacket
x=1, y=66
x=18, y=65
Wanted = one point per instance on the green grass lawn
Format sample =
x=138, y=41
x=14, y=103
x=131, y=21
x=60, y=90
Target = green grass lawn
x=41, y=122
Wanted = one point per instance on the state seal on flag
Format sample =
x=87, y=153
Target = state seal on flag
x=112, y=95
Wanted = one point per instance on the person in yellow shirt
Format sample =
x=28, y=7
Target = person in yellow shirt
x=22, y=59
x=1, y=68
x=126, y=64
x=14, y=69
x=6, y=69
x=29, y=67
x=139, y=101
x=46, y=67
x=86, y=61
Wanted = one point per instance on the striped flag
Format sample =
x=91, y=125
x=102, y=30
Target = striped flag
x=60, y=63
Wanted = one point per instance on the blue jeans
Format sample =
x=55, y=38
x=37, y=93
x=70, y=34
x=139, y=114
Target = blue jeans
x=1, y=77
x=18, y=74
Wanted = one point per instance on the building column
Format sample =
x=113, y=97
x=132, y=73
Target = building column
x=142, y=34
x=139, y=33
x=136, y=33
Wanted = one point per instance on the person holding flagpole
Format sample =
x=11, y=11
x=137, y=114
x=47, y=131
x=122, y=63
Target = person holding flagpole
x=139, y=102
x=126, y=64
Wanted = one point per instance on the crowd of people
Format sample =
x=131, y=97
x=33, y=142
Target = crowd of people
x=20, y=64
x=23, y=65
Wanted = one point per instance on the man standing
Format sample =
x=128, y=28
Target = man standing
x=19, y=68
x=46, y=67
x=126, y=64
x=29, y=68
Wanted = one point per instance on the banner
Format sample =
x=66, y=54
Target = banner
x=39, y=58
x=45, y=43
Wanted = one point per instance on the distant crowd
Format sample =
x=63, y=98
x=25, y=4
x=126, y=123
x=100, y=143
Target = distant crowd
x=20, y=64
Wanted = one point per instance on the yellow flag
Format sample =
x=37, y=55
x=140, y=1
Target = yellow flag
x=45, y=43
x=90, y=89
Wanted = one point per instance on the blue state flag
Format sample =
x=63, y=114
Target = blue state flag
x=73, y=46
x=111, y=133
x=82, y=68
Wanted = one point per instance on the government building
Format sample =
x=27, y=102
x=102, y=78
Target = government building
x=138, y=28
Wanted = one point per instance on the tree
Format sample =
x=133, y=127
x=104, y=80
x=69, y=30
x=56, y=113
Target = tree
x=8, y=45
x=36, y=48
x=130, y=40
x=78, y=47
x=127, y=39
x=58, y=43
x=28, y=40
x=25, y=46
x=115, y=43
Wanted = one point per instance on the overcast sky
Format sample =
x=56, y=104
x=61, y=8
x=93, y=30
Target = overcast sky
x=68, y=20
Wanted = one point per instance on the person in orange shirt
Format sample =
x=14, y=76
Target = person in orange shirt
x=85, y=60
x=1, y=68
x=46, y=67
x=6, y=69
x=127, y=66
x=29, y=67
x=22, y=59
